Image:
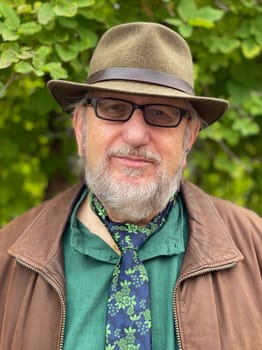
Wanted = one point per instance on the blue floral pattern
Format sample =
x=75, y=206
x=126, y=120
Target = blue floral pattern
x=128, y=313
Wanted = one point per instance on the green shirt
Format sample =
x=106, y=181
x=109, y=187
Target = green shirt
x=89, y=264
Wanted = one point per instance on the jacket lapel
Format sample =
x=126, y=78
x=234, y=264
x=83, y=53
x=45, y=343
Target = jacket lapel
x=210, y=244
x=39, y=246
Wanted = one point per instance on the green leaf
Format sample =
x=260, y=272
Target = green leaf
x=45, y=13
x=224, y=45
x=68, y=9
x=210, y=14
x=254, y=104
x=61, y=36
x=68, y=22
x=9, y=46
x=56, y=70
x=26, y=53
x=228, y=45
x=250, y=48
x=202, y=17
x=246, y=126
x=174, y=21
x=46, y=38
x=12, y=20
x=80, y=45
x=258, y=36
x=39, y=72
x=9, y=34
x=187, y=9
x=78, y=67
x=205, y=17
x=2, y=89
x=201, y=22
x=231, y=166
x=238, y=92
x=41, y=54
x=243, y=31
x=29, y=28
x=248, y=3
x=7, y=58
x=65, y=53
x=255, y=24
x=88, y=36
x=185, y=30
x=24, y=9
x=23, y=68
x=84, y=3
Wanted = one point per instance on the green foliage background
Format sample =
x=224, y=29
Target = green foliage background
x=40, y=40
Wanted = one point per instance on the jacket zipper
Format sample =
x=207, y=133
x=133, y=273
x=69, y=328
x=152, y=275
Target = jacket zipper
x=179, y=281
x=60, y=295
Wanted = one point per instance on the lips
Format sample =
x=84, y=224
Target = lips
x=131, y=158
x=133, y=161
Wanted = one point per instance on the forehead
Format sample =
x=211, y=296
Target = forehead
x=141, y=99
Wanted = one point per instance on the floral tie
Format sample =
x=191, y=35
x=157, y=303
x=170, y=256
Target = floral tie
x=128, y=311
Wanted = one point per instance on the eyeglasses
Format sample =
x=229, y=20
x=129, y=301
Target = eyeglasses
x=117, y=110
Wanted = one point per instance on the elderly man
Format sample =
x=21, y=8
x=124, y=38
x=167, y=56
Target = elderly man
x=135, y=258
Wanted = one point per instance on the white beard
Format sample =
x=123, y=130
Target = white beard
x=133, y=202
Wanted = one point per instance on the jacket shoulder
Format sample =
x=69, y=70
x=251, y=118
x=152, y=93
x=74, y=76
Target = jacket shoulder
x=224, y=207
x=229, y=209
x=10, y=232
x=13, y=229
x=243, y=225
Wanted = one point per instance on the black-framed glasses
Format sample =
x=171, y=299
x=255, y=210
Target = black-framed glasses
x=155, y=114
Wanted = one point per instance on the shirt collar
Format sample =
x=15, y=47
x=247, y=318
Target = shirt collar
x=168, y=241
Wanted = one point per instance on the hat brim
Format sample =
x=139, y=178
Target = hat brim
x=68, y=93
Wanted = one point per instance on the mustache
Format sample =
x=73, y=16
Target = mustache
x=135, y=152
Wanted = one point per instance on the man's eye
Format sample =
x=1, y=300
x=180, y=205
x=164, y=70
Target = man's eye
x=115, y=107
x=157, y=113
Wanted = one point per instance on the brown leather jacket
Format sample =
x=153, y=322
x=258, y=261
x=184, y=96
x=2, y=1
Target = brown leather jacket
x=217, y=298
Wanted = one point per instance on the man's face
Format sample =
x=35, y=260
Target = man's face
x=131, y=161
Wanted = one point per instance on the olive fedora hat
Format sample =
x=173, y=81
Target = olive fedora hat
x=141, y=58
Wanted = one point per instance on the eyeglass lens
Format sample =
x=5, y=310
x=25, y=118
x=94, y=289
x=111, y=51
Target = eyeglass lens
x=154, y=114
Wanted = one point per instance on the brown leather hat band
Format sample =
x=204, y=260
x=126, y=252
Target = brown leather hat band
x=141, y=75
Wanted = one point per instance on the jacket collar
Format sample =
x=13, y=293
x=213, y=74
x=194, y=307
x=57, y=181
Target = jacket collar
x=39, y=246
x=209, y=244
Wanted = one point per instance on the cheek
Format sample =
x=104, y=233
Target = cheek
x=97, y=144
x=171, y=156
x=93, y=149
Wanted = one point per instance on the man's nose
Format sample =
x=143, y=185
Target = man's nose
x=136, y=131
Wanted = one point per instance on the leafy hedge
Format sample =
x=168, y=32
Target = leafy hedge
x=40, y=40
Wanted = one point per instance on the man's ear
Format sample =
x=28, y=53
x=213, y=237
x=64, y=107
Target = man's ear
x=78, y=128
x=194, y=131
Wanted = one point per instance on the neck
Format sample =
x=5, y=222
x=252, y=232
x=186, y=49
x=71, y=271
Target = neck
x=120, y=216
x=116, y=216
